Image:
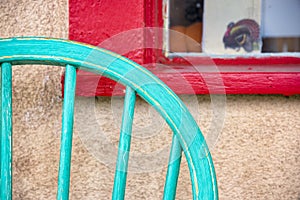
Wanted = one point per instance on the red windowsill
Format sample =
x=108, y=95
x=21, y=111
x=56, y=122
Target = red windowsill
x=266, y=75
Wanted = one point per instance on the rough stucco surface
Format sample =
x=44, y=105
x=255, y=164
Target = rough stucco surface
x=256, y=155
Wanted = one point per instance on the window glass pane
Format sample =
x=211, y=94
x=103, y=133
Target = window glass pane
x=281, y=25
x=221, y=27
x=186, y=18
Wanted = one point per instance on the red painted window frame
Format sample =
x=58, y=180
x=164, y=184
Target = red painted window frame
x=93, y=21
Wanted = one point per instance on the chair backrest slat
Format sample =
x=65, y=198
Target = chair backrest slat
x=124, y=145
x=6, y=131
x=67, y=132
x=173, y=169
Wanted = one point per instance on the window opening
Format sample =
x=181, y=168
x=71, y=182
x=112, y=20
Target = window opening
x=231, y=27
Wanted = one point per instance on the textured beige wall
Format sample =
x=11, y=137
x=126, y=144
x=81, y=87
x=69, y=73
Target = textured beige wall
x=256, y=156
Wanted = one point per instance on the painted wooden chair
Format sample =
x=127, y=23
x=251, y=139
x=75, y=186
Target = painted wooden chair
x=187, y=135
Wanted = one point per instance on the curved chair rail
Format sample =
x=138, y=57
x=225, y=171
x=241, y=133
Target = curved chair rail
x=46, y=51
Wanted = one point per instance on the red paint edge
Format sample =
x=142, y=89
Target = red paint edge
x=267, y=61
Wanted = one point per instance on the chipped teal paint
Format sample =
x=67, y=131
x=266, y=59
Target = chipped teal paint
x=6, y=131
x=66, y=134
x=173, y=169
x=0, y=125
x=124, y=145
x=148, y=86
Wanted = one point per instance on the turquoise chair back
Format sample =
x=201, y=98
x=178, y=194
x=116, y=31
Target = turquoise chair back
x=138, y=80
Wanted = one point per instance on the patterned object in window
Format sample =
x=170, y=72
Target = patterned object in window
x=244, y=33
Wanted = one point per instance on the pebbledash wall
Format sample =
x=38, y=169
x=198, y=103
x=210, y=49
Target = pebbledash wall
x=256, y=155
